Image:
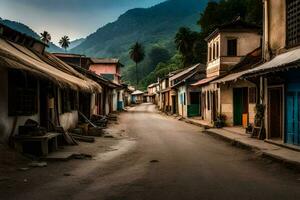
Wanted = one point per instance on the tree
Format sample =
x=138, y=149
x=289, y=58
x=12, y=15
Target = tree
x=137, y=54
x=184, y=40
x=45, y=37
x=64, y=42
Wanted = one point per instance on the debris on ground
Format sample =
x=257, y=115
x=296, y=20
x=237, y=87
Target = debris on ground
x=67, y=174
x=2, y=179
x=108, y=136
x=82, y=156
x=83, y=138
x=154, y=161
x=24, y=169
x=37, y=164
x=25, y=180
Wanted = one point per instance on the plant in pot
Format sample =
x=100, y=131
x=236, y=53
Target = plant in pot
x=259, y=114
x=220, y=120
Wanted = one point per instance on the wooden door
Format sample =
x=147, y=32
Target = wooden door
x=275, y=112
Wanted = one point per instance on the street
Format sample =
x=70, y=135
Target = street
x=163, y=158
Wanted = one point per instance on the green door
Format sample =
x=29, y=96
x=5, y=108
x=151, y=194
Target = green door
x=238, y=106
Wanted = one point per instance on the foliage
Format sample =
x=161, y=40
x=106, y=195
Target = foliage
x=220, y=120
x=45, y=37
x=259, y=114
x=137, y=54
x=64, y=42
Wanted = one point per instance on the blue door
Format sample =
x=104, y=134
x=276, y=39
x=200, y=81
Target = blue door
x=293, y=114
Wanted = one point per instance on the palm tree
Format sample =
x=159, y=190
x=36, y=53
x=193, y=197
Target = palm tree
x=137, y=54
x=64, y=42
x=184, y=40
x=45, y=37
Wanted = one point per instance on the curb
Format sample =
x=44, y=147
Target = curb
x=286, y=162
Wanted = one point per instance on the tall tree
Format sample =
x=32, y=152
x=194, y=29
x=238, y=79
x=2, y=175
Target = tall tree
x=45, y=37
x=137, y=54
x=64, y=42
x=184, y=40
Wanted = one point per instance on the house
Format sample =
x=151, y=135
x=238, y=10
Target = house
x=227, y=46
x=278, y=76
x=152, y=93
x=110, y=68
x=186, y=100
x=36, y=85
x=137, y=97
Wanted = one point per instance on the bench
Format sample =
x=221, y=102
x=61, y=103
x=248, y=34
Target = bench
x=44, y=141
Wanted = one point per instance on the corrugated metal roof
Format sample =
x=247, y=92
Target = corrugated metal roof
x=137, y=92
x=278, y=62
x=204, y=81
x=176, y=76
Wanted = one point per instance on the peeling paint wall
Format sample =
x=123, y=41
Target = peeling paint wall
x=277, y=25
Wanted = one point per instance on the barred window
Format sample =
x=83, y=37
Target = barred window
x=293, y=22
x=22, y=94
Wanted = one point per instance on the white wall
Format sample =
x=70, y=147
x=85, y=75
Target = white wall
x=182, y=109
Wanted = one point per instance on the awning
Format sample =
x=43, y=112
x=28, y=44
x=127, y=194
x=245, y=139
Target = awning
x=15, y=56
x=278, y=63
x=230, y=77
x=204, y=81
x=176, y=76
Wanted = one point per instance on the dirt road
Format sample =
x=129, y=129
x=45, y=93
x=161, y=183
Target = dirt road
x=162, y=159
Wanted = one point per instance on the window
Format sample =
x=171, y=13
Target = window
x=217, y=51
x=252, y=95
x=214, y=51
x=22, y=94
x=293, y=22
x=209, y=54
x=69, y=101
x=208, y=100
x=232, y=47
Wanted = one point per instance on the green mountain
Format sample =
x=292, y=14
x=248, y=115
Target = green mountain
x=154, y=26
x=76, y=43
x=28, y=31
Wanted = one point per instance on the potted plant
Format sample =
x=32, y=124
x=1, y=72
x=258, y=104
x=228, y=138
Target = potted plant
x=220, y=120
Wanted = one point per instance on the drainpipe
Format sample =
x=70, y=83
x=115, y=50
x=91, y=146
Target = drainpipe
x=266, y=55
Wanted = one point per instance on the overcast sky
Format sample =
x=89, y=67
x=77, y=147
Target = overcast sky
x=75, y=18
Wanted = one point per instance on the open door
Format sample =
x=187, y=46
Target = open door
x=240, y=105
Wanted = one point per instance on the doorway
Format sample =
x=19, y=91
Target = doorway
x=293, y=114
x=195, y=102
x=240, y=105
x=275, y=97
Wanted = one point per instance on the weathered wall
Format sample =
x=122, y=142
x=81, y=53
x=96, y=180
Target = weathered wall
x=207, y=115
x=277, y=25
x=6, y=122
x=67, y=120
x=226, y=100
x=243, y=45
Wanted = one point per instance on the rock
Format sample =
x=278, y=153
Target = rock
x=81, y=156
x=24, y=169
x=67, y=174
x=38, y=164
x=25, y=180
x=2, y=179
x=108, y=136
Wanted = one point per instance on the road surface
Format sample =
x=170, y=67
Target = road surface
x=166, y=159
